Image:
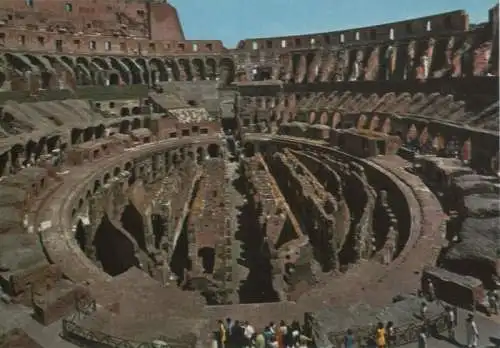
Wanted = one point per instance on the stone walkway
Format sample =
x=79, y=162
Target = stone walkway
x=488, y=327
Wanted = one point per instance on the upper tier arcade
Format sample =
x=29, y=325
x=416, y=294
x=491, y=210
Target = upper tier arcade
x=456, y=21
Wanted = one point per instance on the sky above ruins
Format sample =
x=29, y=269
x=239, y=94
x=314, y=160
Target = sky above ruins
x=233, y=20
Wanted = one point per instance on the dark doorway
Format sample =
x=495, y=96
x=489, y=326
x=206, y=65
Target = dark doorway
x=114, y=250
x=207, y=256
x=132, y=221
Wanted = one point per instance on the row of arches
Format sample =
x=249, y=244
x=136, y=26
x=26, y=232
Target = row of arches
x=126, y=241
x=125, y=70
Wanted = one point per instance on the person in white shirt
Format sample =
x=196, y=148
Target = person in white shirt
x=249, y=332
x=472, y=332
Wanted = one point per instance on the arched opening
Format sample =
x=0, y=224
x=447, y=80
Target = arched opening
x=207, y=256
x=186, y=68
x=158, y=67
x=106, y=178
x=199, y=155
x=145, y=70
x=136, y=123
x=135, y=70
x=211, y=68
x=88, y=134
x=125, y=127
x=114, y=250
x=199, y=69
x=114, y=79
x=173, y=68
x=213, y=150
x=99, y=132
x=124, y=71
x=159, y=223
x=227, y=71
x=136, y=111
x=124, y=112
x=80, y=235
x=97, y=186
x=132, y=221
x=249, y=150
x=76, y=136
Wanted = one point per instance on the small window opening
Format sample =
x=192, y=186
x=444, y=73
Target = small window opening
x=326, y=38
x=391, y=34
x=195, y=47
x=22, y=40
x=428, y=26
x=92, y=45
x=342, y=38
x=255, y=45
x=152, y=47
x=269, y=44
x=210, y=47
x=29, y=3
x=357, y=36
x=76, y=43
x=283, y=43
x=297, y=42
x=68, y=7
x=107, y=46
x=59, y=45
x=41, y=40
x=312, y=41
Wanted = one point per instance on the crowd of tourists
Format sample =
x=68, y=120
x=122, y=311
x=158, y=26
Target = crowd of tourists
x=236, y=334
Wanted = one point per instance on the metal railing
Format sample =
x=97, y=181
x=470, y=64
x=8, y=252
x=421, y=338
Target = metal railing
x=404, y=334
x=83, y=337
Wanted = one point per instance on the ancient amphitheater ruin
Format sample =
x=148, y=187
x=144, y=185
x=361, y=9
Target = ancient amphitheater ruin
x=151, y=185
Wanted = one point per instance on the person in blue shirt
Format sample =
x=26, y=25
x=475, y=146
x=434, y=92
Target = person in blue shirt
x=349, y=339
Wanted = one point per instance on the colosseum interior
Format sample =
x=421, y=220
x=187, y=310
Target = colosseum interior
x=151, y=185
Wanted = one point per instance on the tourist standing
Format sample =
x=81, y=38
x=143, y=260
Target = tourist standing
x=249, y=332
x=349, y=339
x=380, y=336
x=391, y=334
x=451, y=322
x=422, y=338
x=260, y=341
x=472, y=332
x=493, y=301
x=221, y=334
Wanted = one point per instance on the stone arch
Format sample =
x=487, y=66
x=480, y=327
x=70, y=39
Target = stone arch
x=124, y=112
x=53, y=142
x=97, y=186
x=125, y=126
x=200, y=155
x=88, y=134
x=145, y=69
x=115, y=250
x=374, y=123
x=386, y=126
x=227, y=70
x=323, y=119
x=100, y=62
x=136, y=123
x=40, y=62
x=199, y=68
x=41, y=146
x=19, y=62
x=336, y=120
x=312, y=117
x=412, y=133
x=135, y=69
x=30, y=149
x=362, y=119
x=158, y=67
x=249, y=149
x=106, y=178
x=99, y=131
x=211, y=68
x=186, y=68
x=123, y=70
x=172, y=65
x=214, y=150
